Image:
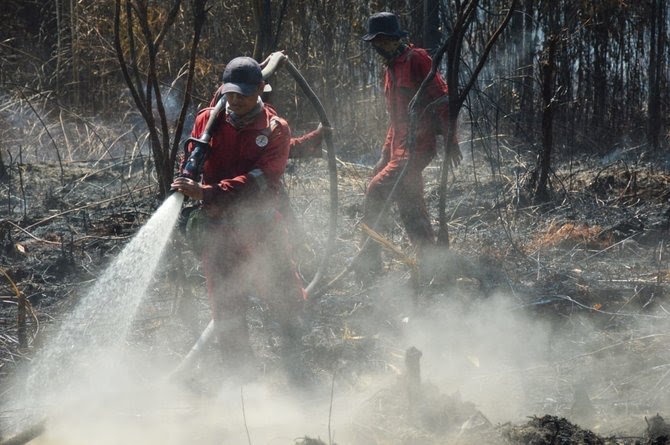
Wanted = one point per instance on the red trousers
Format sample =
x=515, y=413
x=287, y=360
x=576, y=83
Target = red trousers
x=408, y=196
x=251, y=257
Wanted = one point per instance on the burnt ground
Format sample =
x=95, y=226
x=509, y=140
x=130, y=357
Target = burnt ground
x=546, y=324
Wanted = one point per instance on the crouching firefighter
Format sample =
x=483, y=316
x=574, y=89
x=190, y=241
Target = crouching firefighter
x=245, y=245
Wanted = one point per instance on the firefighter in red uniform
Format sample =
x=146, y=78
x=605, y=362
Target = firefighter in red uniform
x=301, y=147
x=246, y=250
x=406, y=68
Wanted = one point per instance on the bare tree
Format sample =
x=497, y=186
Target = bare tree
x=142, y=76
x=464, y=14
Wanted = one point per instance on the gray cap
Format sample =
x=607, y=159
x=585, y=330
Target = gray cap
x=242, y=75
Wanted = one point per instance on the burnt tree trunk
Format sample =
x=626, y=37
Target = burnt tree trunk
x=263, y=16
x=3, y=169
x=544, y=159
x=600, y=73
x=426, y=25
x=452, y=47
x=656, y=58
x=528, y=69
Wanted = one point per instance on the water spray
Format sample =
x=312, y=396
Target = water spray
x=92, y=334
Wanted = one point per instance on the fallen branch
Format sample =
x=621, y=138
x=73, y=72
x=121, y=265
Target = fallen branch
x=21, y=313
x=93, y=204
x=42, y=240
x=376, y=237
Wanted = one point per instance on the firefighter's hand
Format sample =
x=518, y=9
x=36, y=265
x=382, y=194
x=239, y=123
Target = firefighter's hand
x=188, y=187
x=324, y=130
x=281, y=55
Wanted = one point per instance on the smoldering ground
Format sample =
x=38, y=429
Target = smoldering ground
x=560, y=333
x=490, y=355
x=496, y=355
x=501, y=355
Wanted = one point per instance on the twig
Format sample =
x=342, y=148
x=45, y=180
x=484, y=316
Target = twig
x=93, y=204
x=387, y=244
x=9, y=183
x=21, y=313
x=108, y=167
x=637, y=292
x=21, y=185
x=330, y=409
x=591, y=308
x=608, y=248
x=78, y=240
x=372, y=236
x=620, y=343
x=653, y=388
x=244, y=415
x=53, y=142
x=16, y=226
x=68, y=145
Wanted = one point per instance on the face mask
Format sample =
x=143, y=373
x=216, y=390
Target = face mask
x=390, y=55
x=385, y=54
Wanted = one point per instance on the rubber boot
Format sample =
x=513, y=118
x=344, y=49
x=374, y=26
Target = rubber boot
x=292, y=358
x=234, y=345
x=436, y=266
x=368, y=263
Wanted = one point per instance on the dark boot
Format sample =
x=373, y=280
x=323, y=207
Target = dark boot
x=367, y=265
x=234, y=345
x=430, y=264
x=292, y=354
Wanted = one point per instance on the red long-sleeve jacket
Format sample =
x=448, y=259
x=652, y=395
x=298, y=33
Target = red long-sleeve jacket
x=247, y=162
x=402, y=79
x=305, y=146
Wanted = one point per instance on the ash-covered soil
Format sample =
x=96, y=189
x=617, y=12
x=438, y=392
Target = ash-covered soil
x=547, y=323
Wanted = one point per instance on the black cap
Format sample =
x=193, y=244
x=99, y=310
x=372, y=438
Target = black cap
x=384, y=24
x=242, y=75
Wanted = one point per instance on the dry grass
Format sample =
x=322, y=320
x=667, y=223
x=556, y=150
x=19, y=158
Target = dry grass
x=569, y=235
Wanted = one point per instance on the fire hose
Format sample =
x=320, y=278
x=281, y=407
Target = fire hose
x=332, y=173
x=194, y=165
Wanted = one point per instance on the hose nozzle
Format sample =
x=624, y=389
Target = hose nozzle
x=193, y=167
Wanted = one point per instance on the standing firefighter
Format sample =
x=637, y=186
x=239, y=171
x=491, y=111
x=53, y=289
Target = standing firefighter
x=245, y=241
x=406, y=68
